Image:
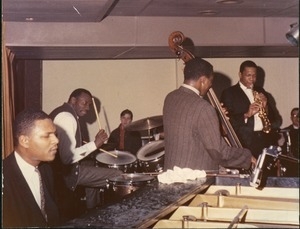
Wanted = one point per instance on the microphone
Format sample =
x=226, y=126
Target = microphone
x=256, y=176
x=265, y=161
x=288, y=137
x=289, y=143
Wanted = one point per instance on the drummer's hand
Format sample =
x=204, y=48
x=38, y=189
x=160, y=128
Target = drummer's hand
x=100, y=138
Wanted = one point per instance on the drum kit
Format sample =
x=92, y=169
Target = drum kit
x=137, y=170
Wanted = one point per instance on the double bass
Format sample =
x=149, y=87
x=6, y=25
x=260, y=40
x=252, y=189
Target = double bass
x=175, y=43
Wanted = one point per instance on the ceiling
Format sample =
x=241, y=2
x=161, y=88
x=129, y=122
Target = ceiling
x=97, y=10
x=87, y=11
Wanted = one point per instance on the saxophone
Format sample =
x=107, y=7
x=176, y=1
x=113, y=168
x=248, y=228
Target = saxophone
x=262, y=114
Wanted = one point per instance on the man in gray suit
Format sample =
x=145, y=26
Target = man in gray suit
x=191, y=126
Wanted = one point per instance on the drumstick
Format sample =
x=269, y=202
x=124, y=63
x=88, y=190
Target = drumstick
x=97, y=115
x=104, y=151
x=111, y=154
x=153, y=173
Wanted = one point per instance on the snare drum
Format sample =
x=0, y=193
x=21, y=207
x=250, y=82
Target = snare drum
x=125, y=161
x=127, y=183
x=151, y=156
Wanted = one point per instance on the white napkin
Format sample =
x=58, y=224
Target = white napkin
x=180, y=175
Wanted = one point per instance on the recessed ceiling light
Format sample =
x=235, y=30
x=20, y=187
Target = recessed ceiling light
x=207, y=12
x=229, y=1
x=29, y=19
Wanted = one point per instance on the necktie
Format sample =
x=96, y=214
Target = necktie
x=121, y=143
x=42, y=195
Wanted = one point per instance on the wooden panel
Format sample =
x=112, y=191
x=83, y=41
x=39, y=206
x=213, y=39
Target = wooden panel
x=27, y=84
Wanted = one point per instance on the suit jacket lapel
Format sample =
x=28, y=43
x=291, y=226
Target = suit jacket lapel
x=240, y=92
x=21, y=184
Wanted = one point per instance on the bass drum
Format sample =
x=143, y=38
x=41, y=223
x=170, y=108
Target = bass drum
x=126, y=162
x=126, y=183
x=151, y=157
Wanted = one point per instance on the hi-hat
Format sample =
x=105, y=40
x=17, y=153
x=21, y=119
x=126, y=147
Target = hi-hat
x=146, y=123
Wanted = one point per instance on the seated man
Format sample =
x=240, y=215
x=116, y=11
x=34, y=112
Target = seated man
x=28, y=187
x=124, y=140
x=77, y=168
x=289, y=143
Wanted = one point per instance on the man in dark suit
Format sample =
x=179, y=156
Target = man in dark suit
x=290, y=145
x=28, y=198
x=250, y=111
x=291, y=135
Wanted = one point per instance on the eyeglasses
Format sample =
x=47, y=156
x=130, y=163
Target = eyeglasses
x=295, y=116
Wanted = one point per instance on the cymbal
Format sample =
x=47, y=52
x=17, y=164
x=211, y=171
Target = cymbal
x=146, y=123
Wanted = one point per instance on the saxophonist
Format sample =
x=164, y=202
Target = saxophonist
x=252, y=114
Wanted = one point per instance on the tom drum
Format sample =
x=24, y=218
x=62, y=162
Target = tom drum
x=151, y=156
x=125, y=161
x=127, y=183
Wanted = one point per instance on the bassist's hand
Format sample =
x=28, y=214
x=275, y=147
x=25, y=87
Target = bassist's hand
x=225, y=111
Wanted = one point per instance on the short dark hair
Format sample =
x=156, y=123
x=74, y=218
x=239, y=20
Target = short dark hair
x=25, y=121
x=77, y=92
x=124, y=112
x=247, y=63
x=294, y=109
x=197, y=67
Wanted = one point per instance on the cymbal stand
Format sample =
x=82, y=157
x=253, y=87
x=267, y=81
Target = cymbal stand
x=149, y=134
x=288, y=144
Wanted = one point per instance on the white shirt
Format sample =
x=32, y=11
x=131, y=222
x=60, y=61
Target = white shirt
x=31, y=177
x=258, y=125
x=66, y=131
x=191, y=88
